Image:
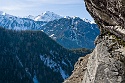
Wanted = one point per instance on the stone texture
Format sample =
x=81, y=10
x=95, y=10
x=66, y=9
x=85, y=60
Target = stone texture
x=109, y=15
x=106, y=64
x=79, y=70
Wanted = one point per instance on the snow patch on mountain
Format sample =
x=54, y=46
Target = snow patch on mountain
x=64, y=63
x=27, y=71
x=30, y=17
x=35, y=79
x=51, y=35
x=63, y=73
x=92, y=22
x=53, y=65
x=87, y=20
x=84, y=19
x=19, y=61
x=48, y=62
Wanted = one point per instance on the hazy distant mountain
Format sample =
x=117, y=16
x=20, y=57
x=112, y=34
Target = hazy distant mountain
x=33, y=57
x=70, y=32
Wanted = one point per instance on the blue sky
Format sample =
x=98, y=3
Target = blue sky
x=36, y=7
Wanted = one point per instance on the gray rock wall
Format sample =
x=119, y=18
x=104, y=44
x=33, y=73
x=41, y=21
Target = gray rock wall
x=106, y=64
x=109, y=15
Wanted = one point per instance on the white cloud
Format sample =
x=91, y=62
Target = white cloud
x=57, y=1
x=9, y=5
x=14, y=5
x=9, y=8
x=35, y=7
x=18, y=4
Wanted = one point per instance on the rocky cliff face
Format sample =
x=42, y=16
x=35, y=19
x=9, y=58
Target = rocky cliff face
x=106, y=64
x=109, y=15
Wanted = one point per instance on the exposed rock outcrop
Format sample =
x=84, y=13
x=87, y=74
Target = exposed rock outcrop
x=109, y=15
x=78, y=71
x=106, y=64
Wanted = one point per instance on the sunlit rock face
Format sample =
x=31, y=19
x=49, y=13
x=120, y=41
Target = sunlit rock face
x=106, y=64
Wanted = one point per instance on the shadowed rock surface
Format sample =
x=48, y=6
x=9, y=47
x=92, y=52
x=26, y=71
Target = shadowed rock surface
x=106, y=64
x=109, y=15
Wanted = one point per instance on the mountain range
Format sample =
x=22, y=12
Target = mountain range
x=33, y=48
x=33, y=57
x=70, y=32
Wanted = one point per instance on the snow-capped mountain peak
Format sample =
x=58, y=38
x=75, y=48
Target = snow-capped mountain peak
x=86, y=20
x=76, y=31
x=47, y=16
x=2, y=13
x=47, y=12
x=30, y=17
